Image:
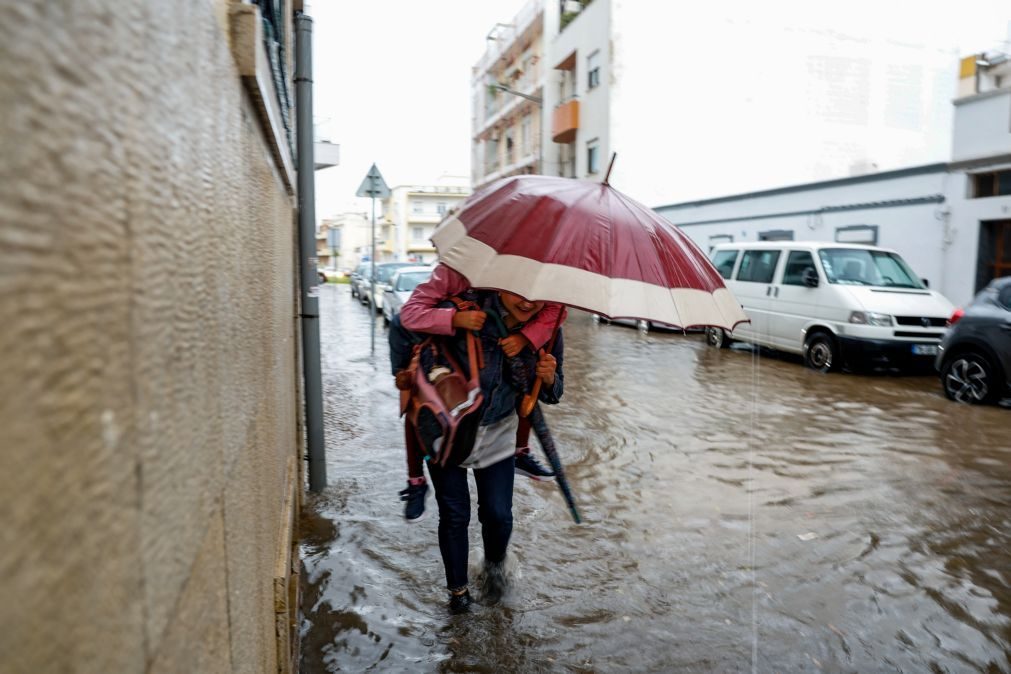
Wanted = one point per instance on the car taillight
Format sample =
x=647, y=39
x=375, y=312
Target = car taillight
x=955, y=317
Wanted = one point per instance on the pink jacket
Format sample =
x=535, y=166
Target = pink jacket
x=420, y=314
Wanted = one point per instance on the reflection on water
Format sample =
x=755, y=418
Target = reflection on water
x=739, y=509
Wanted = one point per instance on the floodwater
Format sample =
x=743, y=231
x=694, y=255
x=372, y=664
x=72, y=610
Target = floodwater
x=742, y=514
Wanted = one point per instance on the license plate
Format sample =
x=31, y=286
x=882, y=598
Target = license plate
x=924, y=349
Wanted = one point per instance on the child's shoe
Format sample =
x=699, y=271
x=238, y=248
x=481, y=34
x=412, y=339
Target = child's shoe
x=527, y=465
x=414, y=498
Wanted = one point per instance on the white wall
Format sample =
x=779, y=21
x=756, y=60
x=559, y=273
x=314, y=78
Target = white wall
x=966, y=216
x=982, y=125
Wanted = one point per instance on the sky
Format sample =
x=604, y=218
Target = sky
x=392, y=78
x=392, y=86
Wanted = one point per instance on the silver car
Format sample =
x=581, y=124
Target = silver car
x=401, y=285
x=384, y=271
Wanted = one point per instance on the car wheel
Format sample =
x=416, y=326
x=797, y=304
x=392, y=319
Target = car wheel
x=717, y=337
x=354, y=293
x=968, y=378
x=820, y=352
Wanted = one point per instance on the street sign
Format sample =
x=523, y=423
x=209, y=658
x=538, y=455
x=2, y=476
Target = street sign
x=373, y=186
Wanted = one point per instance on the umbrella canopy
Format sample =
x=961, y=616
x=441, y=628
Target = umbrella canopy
x=587, y=245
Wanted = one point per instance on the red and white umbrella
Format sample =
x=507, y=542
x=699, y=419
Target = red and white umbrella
x=586, y=245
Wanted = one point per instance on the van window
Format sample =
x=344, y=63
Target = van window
x=796, y=263
x=857, y=266
x=724, y=262
x=758, y=266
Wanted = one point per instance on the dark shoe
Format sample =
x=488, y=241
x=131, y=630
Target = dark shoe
x=459, y=603
x=527, y=465
x=414, y=497
x=493, y=582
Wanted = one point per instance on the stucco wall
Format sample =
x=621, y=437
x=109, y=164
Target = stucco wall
x=149, y=344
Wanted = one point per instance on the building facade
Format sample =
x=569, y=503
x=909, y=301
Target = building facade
x=951, y=221
x=150, y=396
x=410, y=216
x=507, y=90
x=353, y=231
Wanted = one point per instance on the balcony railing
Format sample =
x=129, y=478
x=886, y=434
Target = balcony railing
x=565, y=121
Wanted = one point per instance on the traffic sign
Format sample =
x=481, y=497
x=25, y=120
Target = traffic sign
x=373, y=186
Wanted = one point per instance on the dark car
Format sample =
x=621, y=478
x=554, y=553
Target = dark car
x=975, y=356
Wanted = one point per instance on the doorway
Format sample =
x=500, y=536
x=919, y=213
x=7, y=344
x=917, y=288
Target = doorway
x=994, y=257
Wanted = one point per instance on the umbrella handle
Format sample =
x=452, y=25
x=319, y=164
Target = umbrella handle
x=530, y=399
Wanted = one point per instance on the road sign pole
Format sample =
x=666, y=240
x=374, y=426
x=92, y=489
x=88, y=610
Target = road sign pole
x=373, y=186
x=372, y=318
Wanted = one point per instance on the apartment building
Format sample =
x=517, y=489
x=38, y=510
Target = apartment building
x=352, y=239
x=729, y=97
x=410, y=215
x=507, y=92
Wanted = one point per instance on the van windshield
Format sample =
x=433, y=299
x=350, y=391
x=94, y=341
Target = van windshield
x=860, y=267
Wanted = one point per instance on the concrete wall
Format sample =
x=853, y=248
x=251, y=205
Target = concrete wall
x=982, y=125
x=149, y=390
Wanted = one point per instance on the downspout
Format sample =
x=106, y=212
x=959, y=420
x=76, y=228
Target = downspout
x=307, y=253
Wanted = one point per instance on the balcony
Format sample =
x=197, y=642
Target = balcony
x=565, y=122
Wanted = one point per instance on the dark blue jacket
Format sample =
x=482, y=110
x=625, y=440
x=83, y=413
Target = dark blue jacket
x=500, y=393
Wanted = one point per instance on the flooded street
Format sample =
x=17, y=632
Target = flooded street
x=742, y=513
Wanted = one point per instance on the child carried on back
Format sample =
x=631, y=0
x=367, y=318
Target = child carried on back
x=430, y=311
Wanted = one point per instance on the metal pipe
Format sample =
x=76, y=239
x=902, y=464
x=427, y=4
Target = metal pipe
x=372, y=291
x=307, y=253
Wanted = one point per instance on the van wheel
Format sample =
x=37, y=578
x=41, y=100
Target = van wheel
x=718, y=338
x=820, y=352
x=968, y=378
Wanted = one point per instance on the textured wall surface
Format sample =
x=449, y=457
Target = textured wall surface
x=149, y=345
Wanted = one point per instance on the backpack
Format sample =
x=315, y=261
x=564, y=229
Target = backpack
x=443, y=400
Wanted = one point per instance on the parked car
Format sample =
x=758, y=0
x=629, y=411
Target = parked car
x=384, y=270
x=401, y=285
x=361, y=272
x=975, y=358
x=833, y=303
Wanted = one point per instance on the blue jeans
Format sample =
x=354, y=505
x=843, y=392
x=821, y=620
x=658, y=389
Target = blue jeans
x=494, y=511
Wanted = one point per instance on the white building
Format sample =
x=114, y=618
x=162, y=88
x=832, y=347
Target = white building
x=506, y=91
x=951, y=221
x=410, y=215
x=353, y=239
x=725, y=97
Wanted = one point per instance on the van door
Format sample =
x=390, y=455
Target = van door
x=754, y=288
x=794, y=303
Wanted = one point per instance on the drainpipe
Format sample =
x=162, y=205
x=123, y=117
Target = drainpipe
x=307, y=253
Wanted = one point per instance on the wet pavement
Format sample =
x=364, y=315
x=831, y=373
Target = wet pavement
x=742, y=514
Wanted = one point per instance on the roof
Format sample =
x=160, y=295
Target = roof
x=804, y=187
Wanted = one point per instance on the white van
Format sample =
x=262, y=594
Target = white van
x=836, y=304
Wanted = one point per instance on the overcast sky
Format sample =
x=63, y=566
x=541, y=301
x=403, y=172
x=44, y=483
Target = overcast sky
x=392, y=86
x=392, y=78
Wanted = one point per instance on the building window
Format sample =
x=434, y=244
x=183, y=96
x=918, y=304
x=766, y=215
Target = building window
x=417, y=207
x=991, y=184
x=867, y=234
x=593, y=156
x=593, y=70
x=526, y=129
x=417, y=233
x=441, y=207
x=776, y=235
